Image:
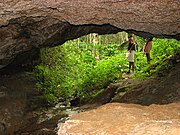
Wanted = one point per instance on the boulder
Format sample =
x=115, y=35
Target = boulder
x=125, y=119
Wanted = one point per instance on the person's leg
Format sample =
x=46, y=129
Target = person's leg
x=148, y=57
x=129, y=67
x=132, y=63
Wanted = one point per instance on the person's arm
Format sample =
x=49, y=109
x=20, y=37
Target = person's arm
x=145, y=45
x=131, y=47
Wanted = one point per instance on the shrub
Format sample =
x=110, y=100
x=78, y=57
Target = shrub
x=71, y=71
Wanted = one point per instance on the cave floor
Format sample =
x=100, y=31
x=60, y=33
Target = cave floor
x=151, y=107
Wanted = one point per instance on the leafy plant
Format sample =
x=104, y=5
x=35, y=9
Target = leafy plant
x=72, y=70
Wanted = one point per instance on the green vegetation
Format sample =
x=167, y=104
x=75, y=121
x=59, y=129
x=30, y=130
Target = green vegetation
x=162, y=50
x=83, y=67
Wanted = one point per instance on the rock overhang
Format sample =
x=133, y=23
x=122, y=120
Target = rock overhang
x=28, y=24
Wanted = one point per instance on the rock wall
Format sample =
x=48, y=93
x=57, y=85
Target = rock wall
x=25, y=24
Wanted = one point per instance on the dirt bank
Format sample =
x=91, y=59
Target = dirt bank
x=159, y=90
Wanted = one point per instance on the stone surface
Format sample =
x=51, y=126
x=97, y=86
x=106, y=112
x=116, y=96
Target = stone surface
x=16, y=94
x=158, y=90
x=150, y=107
x=125, y=119
x=25, y=24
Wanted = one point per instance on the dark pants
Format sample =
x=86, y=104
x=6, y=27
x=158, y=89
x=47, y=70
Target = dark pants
x=148, y=57
x=131, y=64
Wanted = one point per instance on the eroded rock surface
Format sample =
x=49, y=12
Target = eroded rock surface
x=25, y=24
x=130, y=116
x=163, y=89
x=18, y=96
x=125, y=119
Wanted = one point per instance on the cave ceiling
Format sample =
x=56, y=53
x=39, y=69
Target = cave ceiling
x=29, y=24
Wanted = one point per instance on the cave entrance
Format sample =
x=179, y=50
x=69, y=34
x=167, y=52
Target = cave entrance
x=80, y=68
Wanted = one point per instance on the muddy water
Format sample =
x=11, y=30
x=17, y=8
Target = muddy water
x=125, y=119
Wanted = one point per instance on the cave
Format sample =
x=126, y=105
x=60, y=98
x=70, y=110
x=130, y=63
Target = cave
x=29, y=25
x=26, y=26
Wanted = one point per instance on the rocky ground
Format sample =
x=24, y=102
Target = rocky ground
x=18, y=97
x=24, y=111
x=149, y=107
x=125, y=119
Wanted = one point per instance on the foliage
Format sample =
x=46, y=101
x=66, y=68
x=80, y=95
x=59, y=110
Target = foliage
x=73, y=71
x=165, y=47
x=162, y=49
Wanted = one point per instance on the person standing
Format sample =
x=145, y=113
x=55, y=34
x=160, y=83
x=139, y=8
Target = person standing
x=130, y=54
x=147, y=48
